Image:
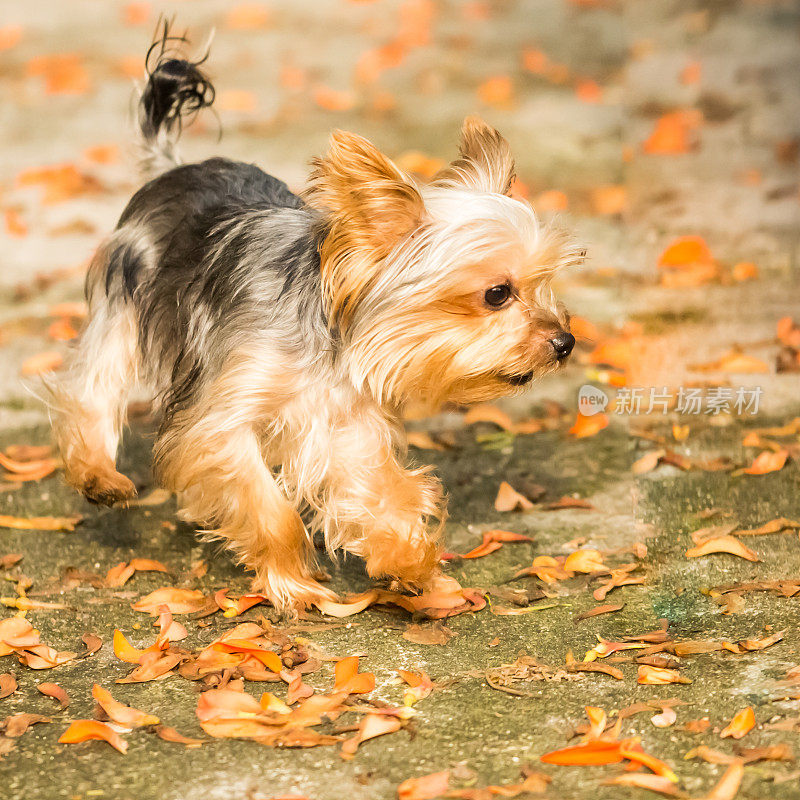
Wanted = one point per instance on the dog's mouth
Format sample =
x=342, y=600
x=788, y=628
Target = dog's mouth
x=517, y=380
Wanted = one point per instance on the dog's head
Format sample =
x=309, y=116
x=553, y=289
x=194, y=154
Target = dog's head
x=439, y=292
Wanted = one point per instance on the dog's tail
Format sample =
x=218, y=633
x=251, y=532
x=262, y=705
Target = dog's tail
x=176, y=90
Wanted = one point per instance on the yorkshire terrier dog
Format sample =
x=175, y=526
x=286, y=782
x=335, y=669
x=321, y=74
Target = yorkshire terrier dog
x=283, y=337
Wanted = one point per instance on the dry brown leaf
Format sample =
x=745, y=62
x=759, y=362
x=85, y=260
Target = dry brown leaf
x=8, y=684
x=767, y=461
x=597, y=610
x=56, y=692
x=654, y=783
x=723, y=544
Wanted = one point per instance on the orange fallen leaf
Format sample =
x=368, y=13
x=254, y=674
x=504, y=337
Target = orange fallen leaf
x=608, y=200
x=136, y=13
x=588, y=426
x=691, y=73
x=348, y=679
x=63, y=73
x=81, y=730
x=119, y=712
x=60, y=182
x=179, y=601
x=496, y=91
x=672, y=134
x=486, y=412
x=585, y=560
x=102, y=154
x=426, y=787
x=125, y=651
x=419, y=163
x=171, y=735
x=744, y=271
x=494, y=540
x=767, y=461
x=733, y=361
x=333, y=99
x=729, y=783
x=56, y=692
x=509, y=499
x=240, y=100
x=371, y=726
x=42, y=362
x=722, y=544
x=10, y=36
x=40, y=523
x=588, y=91
x=643, y=780
x=423, y=441
x=588, y=754
x=656, y=676
x=247, y=16
x=633, y=752
x=741, y=724
x=551, y=200
x=15, y=224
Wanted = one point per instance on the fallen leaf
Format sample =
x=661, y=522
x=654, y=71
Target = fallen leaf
x=666, y=718
x=733, y=361
x=171, y=735
x=597, y=610
x=672, y=133
x=509, y=499
x=82, y=730
x=17, y=724
x=426, y=787
x=494, y=540
x=588, y=426
x=588, y=754
x=497, y=91
x=729, y=783
x=656, y=676
x=179, y=601
x=654, y=783
x=436, y=634
x=485, y=412
x=767, y=461
x=42, y=362
x=63, y=73
x=348, y=679
x=56, y=692
x=333, y=100
x=119, y=712
x=585, y=560
x=370, y=727
x=423, y=441
x=741, y=724
x=247, y=16
x=8, y=684
x=722, y=544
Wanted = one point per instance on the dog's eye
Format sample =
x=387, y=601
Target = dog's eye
x=497, y=295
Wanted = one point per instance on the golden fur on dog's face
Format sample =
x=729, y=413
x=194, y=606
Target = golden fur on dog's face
x=441, y=292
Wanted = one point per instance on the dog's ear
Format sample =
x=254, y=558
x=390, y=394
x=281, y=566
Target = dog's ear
x=370, y=205
x=485, y=163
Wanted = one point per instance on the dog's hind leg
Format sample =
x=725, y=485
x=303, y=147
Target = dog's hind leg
x=88, y=399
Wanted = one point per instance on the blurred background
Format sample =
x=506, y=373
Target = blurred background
x=641, y=125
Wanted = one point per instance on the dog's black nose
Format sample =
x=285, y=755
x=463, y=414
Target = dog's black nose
x=563, y=344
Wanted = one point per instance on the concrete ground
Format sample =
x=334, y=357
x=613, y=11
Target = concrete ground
x=737, y=187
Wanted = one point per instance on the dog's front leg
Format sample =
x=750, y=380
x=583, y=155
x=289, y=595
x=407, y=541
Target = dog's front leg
x=376, y=508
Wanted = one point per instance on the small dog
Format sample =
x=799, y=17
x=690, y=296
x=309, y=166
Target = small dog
x=283, y=337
